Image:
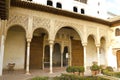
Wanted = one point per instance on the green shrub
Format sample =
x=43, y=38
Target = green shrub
x=94, y=67
x=40, y=78
x=75, y=69
x=81, y=69
x=69, y=69
x=74, y=77
x=109, y=68
x=117, y=74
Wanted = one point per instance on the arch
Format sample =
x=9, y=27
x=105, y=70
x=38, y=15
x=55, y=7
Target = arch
x=72, y=27
x=69, y=35
x=93, y=36
x=18, y=25
x=82, y=11
x=102, y=51
x=46, y=55
x=49, y=2
x=91, y=50
x=57, y=55
x=65, y=56
x=75, y=9
x=36, y=48
x=43, y=30
x=59, y=5
x=15, y=46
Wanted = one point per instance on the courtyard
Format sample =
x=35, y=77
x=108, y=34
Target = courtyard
x=20, y=74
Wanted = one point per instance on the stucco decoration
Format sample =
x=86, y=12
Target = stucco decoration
x=40, y=22
x=92, y=30
x=18, y=19
x=60, y=24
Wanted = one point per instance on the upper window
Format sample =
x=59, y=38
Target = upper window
x=75, y=9
x=82, y=11
x=98, y=3
x=58, y=5
x=50, y=3
x=29, y=0
x=83, y=1
x=117, y=32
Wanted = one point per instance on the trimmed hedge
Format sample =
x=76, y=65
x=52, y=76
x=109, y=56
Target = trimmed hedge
x=75, y=69
x=110, y=72
x=40, y=78
x=74, y=77
x=69, y=77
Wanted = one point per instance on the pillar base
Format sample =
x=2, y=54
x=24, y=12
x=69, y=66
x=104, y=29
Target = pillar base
x=28, y=73
x=51, y=72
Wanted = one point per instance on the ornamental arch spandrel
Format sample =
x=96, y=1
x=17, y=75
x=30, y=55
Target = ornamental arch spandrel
x=61, y=24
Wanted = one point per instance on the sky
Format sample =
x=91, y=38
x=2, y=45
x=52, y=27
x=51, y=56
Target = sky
x=114, y=6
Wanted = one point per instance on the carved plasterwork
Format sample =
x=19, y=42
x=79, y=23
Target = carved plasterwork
x=59, y=24
x=18, y=19
x=40, y=22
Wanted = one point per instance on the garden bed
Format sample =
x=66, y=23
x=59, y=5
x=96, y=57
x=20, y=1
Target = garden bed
x=70, y=77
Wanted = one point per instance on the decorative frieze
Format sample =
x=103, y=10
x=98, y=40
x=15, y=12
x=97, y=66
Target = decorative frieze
x=41, y=22
x=18, y=19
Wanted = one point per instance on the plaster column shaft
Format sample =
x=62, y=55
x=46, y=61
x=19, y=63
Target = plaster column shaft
x=51, y=54
x=61, y=60
x=62, y=50
x=85, y=56
x=1, y=54
x=28, y=58
x=98, y=55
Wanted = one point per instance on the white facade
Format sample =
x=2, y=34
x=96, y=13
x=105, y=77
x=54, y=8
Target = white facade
x=95, y=8
x=98, y=40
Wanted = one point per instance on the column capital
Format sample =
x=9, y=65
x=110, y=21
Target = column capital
x=97, y=45
x=29, y=39
x=84, y=44
x=51, y=41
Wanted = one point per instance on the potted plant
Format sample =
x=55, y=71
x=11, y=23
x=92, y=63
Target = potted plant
x=81, y=70
x=69, y=69
x=95, y=69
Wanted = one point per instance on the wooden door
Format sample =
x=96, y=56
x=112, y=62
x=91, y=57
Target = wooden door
x=118, y=59
x=36, y=53
x=77, y=53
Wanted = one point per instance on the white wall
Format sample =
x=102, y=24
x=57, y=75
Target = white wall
x=15, y=49
x=91, y=8
x=91, y=52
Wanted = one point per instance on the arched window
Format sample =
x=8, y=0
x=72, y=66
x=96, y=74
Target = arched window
x=75, y=9
x=50, y=3
x=59, y=5
x=117, y=32
x=82, y=11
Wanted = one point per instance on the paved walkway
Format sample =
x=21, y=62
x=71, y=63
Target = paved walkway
x=20, y=75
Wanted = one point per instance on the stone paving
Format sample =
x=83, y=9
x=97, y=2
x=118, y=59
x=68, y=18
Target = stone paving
x=20, y=74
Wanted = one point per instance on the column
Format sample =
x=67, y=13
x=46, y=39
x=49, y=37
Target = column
x=28, y=58
x=1, y=54
x=2, y=42
x=84, y=47
x=98, y=54
x=51, y=54
x=62, y=50
x=61, y=60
